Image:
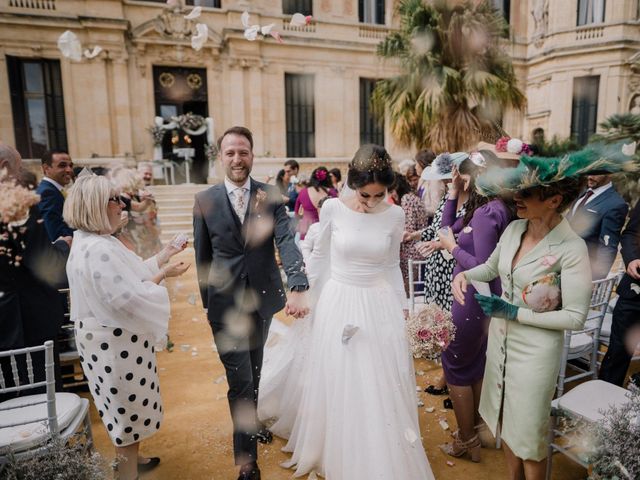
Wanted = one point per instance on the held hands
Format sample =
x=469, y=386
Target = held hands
x=633, y=269
x=494, y=306
x=297, y=304
x=411, y=236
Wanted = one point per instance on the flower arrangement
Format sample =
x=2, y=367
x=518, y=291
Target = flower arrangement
x=615, y=441
x=543, y=295
x=157, y=133
x=189, y=121
x=211, y=151
x=430, y=331
x=513, y=145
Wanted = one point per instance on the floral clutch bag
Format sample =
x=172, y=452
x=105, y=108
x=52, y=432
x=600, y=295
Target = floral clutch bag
x=544, y=295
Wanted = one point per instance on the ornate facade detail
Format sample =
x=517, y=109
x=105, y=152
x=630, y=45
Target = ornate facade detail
x=172, y=24
x=540, y=14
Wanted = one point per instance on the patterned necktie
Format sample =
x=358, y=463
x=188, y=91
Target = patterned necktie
x=238, y=203
x=584, y=200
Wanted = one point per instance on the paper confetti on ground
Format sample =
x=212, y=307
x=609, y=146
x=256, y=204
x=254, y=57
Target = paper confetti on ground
x=443, y=423
x=410, y=435
x=348, y=332
x=191, y=299
x=429, y=409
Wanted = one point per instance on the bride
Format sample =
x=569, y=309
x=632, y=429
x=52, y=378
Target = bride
x=350, y=384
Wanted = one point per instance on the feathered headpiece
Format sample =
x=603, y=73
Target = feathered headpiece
x=595, y=159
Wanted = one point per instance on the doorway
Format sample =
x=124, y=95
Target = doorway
x=179, y=91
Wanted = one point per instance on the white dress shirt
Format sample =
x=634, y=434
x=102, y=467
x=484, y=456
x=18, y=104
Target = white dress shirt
x=596, y=192
x=231, y=188
x=54, y=183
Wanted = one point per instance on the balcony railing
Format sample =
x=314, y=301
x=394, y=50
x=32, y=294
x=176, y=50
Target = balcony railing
x=589, y=33
x=286, y=26
x=370, y=31
x=35, y=4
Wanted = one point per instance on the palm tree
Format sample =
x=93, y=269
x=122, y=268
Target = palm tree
x=456, y=78
x=623, y=126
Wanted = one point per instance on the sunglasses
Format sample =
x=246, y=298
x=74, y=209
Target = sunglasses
x=115, y=198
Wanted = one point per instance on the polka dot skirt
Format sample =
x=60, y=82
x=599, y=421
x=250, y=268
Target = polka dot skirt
x=123, y=379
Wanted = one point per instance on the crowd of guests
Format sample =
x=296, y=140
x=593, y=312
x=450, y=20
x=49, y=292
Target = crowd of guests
x=92, y=230
x=568, y=229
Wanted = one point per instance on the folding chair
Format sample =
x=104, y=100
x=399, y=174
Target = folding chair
x=28, y=423
x=584, y=404
x=417, y=270
x=69, y=355
x=584, y=344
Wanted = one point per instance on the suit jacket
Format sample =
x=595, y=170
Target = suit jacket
x=629, y=287
x=232, y=257
x=31, y=309
x=599, y=223
x=51, y=203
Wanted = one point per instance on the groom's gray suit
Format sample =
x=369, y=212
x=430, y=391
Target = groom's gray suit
x=241, y=287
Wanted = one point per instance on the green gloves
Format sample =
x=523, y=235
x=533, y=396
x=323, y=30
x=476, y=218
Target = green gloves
x=494, y=306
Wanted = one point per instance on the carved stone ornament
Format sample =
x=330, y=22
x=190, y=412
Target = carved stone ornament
x=540, y=14
x=172, y=24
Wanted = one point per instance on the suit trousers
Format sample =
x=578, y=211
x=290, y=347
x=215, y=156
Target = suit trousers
x=626, y=315
x=241, y=353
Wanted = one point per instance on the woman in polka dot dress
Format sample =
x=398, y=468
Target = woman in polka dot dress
x=120, y=311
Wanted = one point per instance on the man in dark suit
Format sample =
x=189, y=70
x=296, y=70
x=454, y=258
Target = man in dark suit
x=236, y=224
x=598, y=217
x=58, y=170
x=625, y=328
x=31, y=309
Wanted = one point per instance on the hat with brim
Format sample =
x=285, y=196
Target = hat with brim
x=595, y=159
x=440, y=168
x=488, y=147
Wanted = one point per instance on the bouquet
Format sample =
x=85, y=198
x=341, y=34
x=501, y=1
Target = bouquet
x=543, y=295
x=157, y=133
x=430, y=331
x=15, y=203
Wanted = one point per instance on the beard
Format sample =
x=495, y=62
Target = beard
x=238, y=176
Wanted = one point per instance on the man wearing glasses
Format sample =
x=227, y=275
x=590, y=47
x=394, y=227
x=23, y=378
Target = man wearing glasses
x=58, y=170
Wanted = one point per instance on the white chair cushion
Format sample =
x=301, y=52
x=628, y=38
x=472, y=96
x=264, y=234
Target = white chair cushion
x=580, y=342
x=589, y=398
x=23, y=437
x=605, y=331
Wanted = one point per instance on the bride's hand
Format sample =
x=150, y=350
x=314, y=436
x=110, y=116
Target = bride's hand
x=459, y=287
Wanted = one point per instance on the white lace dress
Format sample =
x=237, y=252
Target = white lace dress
x=357, y=417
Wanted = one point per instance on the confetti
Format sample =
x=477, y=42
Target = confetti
x=197, y=42
x=450, y=463
x=92, y=53
x=70, y=46
x=220, y=379
x=410, y=436
x=443, y=424
x=191, y=299
x=194, y=13
x=348, y=332
x=185, y=347
x=300, y=20
x=429, y=409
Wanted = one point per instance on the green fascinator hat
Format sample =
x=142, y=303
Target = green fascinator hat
x=595, y=159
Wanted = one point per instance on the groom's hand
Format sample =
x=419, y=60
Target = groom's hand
x=297, y=305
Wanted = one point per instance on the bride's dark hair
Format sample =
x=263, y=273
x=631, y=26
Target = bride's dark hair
x=370, y=164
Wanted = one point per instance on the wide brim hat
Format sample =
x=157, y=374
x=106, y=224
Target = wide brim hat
x=483, y=147
x=430, y=173
x=595, y=159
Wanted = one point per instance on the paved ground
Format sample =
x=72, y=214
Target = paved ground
x=195, y=439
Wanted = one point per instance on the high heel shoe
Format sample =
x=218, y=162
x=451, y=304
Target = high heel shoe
x=487, y=440
x=458, y=447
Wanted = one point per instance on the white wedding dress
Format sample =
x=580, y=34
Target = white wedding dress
x=349, y=407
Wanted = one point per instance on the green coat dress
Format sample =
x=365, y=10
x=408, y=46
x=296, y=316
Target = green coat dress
x=523, y=356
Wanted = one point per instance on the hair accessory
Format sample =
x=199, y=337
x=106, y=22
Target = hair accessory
x=478, y=159
x=321, y=175
x=371, y=161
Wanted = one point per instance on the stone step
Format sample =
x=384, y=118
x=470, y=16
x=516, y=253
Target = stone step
x=175, y=217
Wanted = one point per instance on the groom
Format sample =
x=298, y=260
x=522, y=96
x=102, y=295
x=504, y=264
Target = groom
x=236, y=224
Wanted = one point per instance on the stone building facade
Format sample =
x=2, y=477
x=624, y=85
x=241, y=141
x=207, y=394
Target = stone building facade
x=577, y=62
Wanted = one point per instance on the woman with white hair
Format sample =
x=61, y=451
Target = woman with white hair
x=120, y=310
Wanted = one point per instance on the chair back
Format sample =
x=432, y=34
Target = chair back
x=27, y=380
x=584, y=344
x=417, y=273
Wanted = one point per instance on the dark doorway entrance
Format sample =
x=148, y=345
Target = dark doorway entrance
x=179, y=91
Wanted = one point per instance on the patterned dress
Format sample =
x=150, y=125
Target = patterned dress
x=415, y=216
x=439, y=269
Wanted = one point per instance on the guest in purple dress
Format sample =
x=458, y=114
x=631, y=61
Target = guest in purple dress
x=470, y=239
x=306, y=208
